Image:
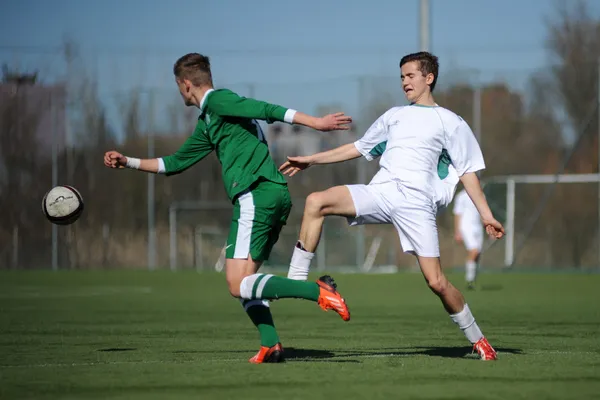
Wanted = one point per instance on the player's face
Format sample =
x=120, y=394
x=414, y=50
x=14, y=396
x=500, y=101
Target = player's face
x=185, y=88
x=414, y=84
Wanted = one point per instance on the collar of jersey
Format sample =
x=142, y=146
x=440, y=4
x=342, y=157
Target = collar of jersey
x=423, y=105
x=209, y=91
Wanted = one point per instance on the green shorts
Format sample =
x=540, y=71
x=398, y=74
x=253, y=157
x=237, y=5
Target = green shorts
x=258, y=216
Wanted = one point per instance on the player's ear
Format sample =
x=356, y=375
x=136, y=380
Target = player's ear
x=429, y=78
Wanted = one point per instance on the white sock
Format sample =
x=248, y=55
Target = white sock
x=470, y=271
x=252, y=286
x=466, y=322
x=300, y=264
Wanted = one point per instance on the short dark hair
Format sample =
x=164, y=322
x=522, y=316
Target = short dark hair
x=194, y=67
x=428, y=64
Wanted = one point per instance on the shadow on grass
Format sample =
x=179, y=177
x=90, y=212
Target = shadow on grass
x=293, y=354
x=117, y=349
x=354, y=355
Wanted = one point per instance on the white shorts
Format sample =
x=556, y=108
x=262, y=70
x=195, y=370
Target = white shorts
x=472, y=235
x=411, y=212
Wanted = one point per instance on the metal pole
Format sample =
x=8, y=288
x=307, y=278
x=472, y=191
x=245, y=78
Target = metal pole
x=15, y=255
x=361, y=175
x=598, y=96
x=509, y=250
x=424, y=30
x=105, y=238
x=173, y=237
x=477, y=111
x=54, y=182
x=151, y=205
x=198, y=248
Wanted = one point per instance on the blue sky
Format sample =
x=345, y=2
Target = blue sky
x=299, y=54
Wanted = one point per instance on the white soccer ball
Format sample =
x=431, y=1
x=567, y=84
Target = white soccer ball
x=62, y=205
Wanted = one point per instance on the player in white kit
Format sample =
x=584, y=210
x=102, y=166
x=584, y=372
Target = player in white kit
x=469, y=231
x=410, y=140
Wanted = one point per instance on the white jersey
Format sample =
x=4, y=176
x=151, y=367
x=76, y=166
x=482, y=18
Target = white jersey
x=464, y=206
x=410, y=140
x=470, y=226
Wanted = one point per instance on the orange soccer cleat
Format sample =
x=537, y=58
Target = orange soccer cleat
x=330, y=299
x=273, y=354
x=485, y=350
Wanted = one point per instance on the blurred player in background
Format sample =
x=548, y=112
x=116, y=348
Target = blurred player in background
x=258, y=192
x=469, y=231
x=411, y=140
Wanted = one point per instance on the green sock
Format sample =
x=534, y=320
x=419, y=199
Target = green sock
x=276, y=287
x=263, y=320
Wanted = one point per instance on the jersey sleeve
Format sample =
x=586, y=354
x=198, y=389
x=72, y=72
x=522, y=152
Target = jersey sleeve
x=194, y=149
x=228, y=104
x=374, y=141
x=464, y=150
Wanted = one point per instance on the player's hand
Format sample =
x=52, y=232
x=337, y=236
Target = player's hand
x=334, y=122
x=295, y=164
x=493, y=228
x=114, y=159
x=458, y=237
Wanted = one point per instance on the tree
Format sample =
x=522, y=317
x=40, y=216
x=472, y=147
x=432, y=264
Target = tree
x=564, y=214
x=20, y=158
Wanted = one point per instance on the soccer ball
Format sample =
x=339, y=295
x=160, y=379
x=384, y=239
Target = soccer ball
x=62, y=205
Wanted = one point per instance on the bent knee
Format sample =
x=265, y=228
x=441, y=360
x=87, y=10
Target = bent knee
x=233, y=285
x=438, y=284
x=315, y=202
x=473, y=255
x=330, y=202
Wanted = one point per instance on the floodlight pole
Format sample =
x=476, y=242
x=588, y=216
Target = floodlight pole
x=151, y=212
x=424, y=26
x=598, y=150
x=54, y=180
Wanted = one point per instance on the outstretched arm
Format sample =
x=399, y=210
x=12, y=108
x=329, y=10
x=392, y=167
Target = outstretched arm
x=330, y=122
x=371, y=146
x=229, y=104
x=114, y=159
x=340, y=154
x=195, y=148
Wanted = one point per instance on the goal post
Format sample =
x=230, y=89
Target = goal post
x=175, y=209
x=198, y=231
x=559, y=208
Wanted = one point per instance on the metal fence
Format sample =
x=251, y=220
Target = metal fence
x=126, y=222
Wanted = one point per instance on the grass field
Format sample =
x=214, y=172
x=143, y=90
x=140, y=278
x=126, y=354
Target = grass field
x=141, y=335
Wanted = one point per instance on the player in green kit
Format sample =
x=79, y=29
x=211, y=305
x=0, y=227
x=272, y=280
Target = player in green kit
x=258, y=191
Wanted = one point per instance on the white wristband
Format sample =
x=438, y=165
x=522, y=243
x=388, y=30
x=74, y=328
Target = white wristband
x=133, y=163
x=161, y=166
x=289, y=116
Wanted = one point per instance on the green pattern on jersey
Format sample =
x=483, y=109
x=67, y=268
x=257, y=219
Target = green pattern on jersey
x=444, y=160
x=443, y=164
x=227, y=124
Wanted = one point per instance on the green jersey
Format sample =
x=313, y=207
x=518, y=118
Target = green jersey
x=227, y=124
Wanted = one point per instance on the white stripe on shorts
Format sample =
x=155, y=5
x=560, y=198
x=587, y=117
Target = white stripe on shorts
x=244, y=233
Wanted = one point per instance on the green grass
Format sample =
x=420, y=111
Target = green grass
x=168, y=335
